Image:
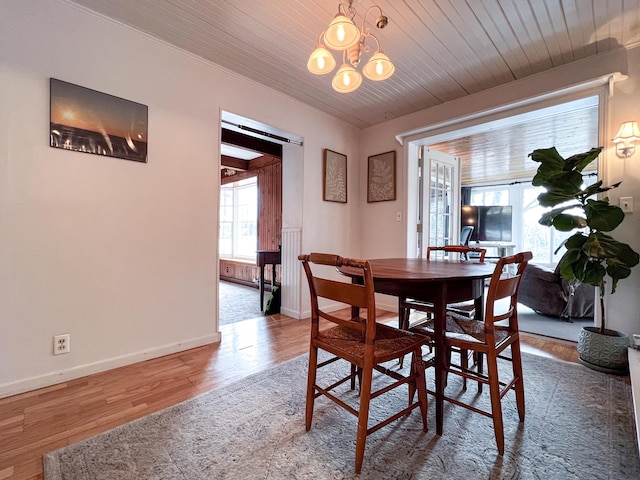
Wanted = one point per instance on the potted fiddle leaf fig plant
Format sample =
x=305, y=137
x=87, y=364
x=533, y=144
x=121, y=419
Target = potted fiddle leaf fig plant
x=592, y=255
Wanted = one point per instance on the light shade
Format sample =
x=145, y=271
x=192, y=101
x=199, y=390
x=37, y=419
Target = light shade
x=379, y=67
x=629, y=132
x=321, y=61
x=341, y=33
x=626, y=139
x=346, y=80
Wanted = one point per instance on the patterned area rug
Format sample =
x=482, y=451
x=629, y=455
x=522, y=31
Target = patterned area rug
x=579, y=425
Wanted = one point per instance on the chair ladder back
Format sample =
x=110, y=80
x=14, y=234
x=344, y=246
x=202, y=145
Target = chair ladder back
x=350, y=294
x=505, y=287
x=356, y=323
x=461, y=249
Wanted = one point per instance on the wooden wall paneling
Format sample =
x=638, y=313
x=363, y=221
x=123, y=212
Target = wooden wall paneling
x=270, y=207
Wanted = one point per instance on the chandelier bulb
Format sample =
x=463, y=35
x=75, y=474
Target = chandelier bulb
x=321, y=61
x=379, y=67
x=346, y=80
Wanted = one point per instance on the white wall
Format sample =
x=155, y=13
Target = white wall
x=123, y=255
x=378, y=219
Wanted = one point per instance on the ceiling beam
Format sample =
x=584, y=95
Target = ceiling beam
x=251, y=143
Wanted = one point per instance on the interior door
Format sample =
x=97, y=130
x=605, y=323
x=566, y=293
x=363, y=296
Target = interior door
x=439, y=199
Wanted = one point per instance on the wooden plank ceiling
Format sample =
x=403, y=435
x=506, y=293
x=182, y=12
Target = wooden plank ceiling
x=442, y=49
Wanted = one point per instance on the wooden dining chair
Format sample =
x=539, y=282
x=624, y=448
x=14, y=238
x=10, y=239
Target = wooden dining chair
x=405, y=305
x=467, y=308
x=490, y=337
x=361, y=342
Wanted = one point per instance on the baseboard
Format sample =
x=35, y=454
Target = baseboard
x=294, y=314
x=634, y=375
x=46, y=380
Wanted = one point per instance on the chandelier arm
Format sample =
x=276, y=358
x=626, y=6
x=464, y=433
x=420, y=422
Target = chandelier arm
x=364, y=17
x=366, y=47
x=349, y=11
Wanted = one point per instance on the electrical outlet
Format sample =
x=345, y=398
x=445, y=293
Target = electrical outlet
x=61, y=344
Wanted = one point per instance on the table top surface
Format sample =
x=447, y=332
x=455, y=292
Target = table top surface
x=268, y=257
x=419, y=269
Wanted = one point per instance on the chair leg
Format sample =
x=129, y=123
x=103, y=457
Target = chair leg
x=517, y=373
x=363, y=415
x=480, y=367
x=464, y=363
x=403, y=324
x=496, y=404
x=354, y=373
x=403, y=318
x=421, y=385
x=311, y=381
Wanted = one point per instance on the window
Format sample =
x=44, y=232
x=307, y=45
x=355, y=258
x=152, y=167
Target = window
x=528, y=234
x=239, y=219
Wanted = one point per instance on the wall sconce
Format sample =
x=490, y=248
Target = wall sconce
x=626, y=139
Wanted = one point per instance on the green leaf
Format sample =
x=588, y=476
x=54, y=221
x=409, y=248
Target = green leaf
x=548, y=157
x=593, y=273
x=603, y=216
x=576, y=241
x=547, y=218
x=580, y=160
x=593, y=189
x=566, y=223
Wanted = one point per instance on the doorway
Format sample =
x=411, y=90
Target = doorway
x=253, y=159
x=496, y=169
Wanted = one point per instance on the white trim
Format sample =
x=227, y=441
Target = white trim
x=634, y=374
x=52, y=378
x=576, y=91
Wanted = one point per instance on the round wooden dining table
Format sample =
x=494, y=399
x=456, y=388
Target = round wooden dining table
x=437, y=281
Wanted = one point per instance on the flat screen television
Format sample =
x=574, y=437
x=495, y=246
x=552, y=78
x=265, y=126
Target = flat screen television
x=491, y=224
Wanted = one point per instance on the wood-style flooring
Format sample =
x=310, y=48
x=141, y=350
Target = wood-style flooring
x=36, y=422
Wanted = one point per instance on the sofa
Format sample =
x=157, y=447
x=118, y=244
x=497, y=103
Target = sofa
x=543, y=290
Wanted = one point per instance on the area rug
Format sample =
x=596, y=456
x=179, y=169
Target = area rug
x=579, y=424
x=238, y=302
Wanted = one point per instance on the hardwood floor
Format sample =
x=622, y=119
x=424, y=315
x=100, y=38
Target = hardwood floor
x=36, y=422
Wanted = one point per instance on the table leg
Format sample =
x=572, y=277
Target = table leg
x=262, y=288
x=440, y=322
x=273, y=277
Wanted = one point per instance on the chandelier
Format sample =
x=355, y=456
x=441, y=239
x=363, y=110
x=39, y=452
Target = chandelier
x=343, y=35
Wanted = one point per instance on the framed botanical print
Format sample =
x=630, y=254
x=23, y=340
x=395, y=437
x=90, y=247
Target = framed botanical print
x=334, y=177
x=381, y=177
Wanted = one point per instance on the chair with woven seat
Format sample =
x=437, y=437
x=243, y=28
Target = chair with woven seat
x=360, y=341
x=467, y=308
x=491, y=337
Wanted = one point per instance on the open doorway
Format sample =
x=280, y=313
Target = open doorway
x=496, y=172
x=251, y=216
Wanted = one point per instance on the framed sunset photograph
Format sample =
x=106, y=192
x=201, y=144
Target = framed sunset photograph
x=88, y=121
